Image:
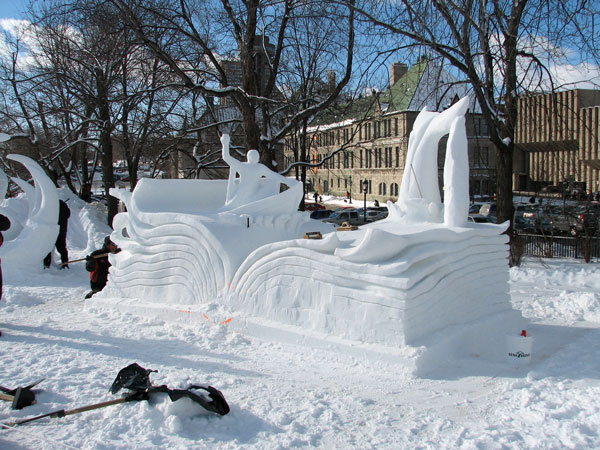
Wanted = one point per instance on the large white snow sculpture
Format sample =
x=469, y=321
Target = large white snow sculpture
x=29, y=241
x=418, y=286
x=183, y=240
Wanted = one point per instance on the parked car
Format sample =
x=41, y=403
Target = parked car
x=320, y=214
x=313, y=206
x=566, y=220
x=378, y=215
x=488, y=209
x=475, y=207
x=350, y=216
x=585, y=222
x=480, y=218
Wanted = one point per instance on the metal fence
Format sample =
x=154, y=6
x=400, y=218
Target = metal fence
x=547, y=246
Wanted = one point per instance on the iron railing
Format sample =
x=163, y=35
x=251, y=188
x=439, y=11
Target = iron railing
x=549, y=246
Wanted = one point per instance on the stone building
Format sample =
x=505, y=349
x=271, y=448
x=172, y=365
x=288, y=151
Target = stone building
x=367, y=139
x=557, y=142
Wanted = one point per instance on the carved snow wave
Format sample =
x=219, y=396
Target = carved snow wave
x=190, y=256
x=428, y=281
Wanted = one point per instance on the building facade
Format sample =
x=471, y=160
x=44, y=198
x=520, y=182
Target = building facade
x=557, y=142
x=371, y=143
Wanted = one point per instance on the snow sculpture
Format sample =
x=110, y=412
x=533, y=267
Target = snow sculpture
x=182, y=240
x=251, y=182
x=29, y=239
x=407, y=287
x=419, y=198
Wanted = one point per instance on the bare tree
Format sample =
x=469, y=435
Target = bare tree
x=503, y=49
x=100, y=88
x=210, y=34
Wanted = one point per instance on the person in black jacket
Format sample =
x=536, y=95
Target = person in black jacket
x=61, y=241
x=4, y=225
x=97, y=264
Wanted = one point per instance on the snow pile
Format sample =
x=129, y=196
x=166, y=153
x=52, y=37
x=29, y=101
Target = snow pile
x=291, y=396
x=237, y=249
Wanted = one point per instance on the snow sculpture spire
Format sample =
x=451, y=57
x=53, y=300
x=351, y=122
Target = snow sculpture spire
x=39, y=232
x=419, y=192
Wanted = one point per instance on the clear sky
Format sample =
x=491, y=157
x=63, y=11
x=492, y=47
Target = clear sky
x=12, y=8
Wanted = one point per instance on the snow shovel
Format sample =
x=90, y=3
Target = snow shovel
x=21, y=396
x=136, y=379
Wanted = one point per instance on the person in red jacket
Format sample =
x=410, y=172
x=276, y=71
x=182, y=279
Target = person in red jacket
x=4, y=225
x=97, y=264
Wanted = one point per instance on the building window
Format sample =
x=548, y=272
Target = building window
x=394, y=189
x=382, y=189
x=396, y=126
x=397, y=156
x=352, y=160
x=359, y=132
x=361, y=159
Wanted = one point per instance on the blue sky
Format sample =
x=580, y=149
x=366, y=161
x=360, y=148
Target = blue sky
x=12, y=8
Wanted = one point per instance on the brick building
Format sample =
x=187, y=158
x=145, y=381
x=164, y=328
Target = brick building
x=557, y=142
x=372, y=134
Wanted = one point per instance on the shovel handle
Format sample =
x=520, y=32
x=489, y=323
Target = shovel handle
x=83, y=259
x=6, y=397
x=68, y=412
x=95, y=406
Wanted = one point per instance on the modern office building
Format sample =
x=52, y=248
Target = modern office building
x=557, y=142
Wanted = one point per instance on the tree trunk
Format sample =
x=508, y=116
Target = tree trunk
x=106, y=147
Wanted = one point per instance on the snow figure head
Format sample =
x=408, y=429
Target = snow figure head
x=253, y=156
x=419, y=199
x=27, y=248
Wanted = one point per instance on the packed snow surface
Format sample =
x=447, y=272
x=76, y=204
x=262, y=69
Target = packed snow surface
x=291, y=396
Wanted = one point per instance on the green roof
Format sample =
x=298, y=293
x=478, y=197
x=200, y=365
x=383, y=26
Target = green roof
x=398, y=98
x=400, y=95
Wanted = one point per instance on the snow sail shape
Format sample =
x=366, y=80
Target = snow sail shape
x=27, y=249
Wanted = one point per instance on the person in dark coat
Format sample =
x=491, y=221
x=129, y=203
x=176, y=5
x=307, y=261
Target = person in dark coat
x=98, y=266
x=61, y=241
x=4, y=225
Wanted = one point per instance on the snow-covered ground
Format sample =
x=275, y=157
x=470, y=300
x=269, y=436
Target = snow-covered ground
x=286, y=396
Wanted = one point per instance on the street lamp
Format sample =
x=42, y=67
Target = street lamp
x=365, y=184
x=351, y=190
